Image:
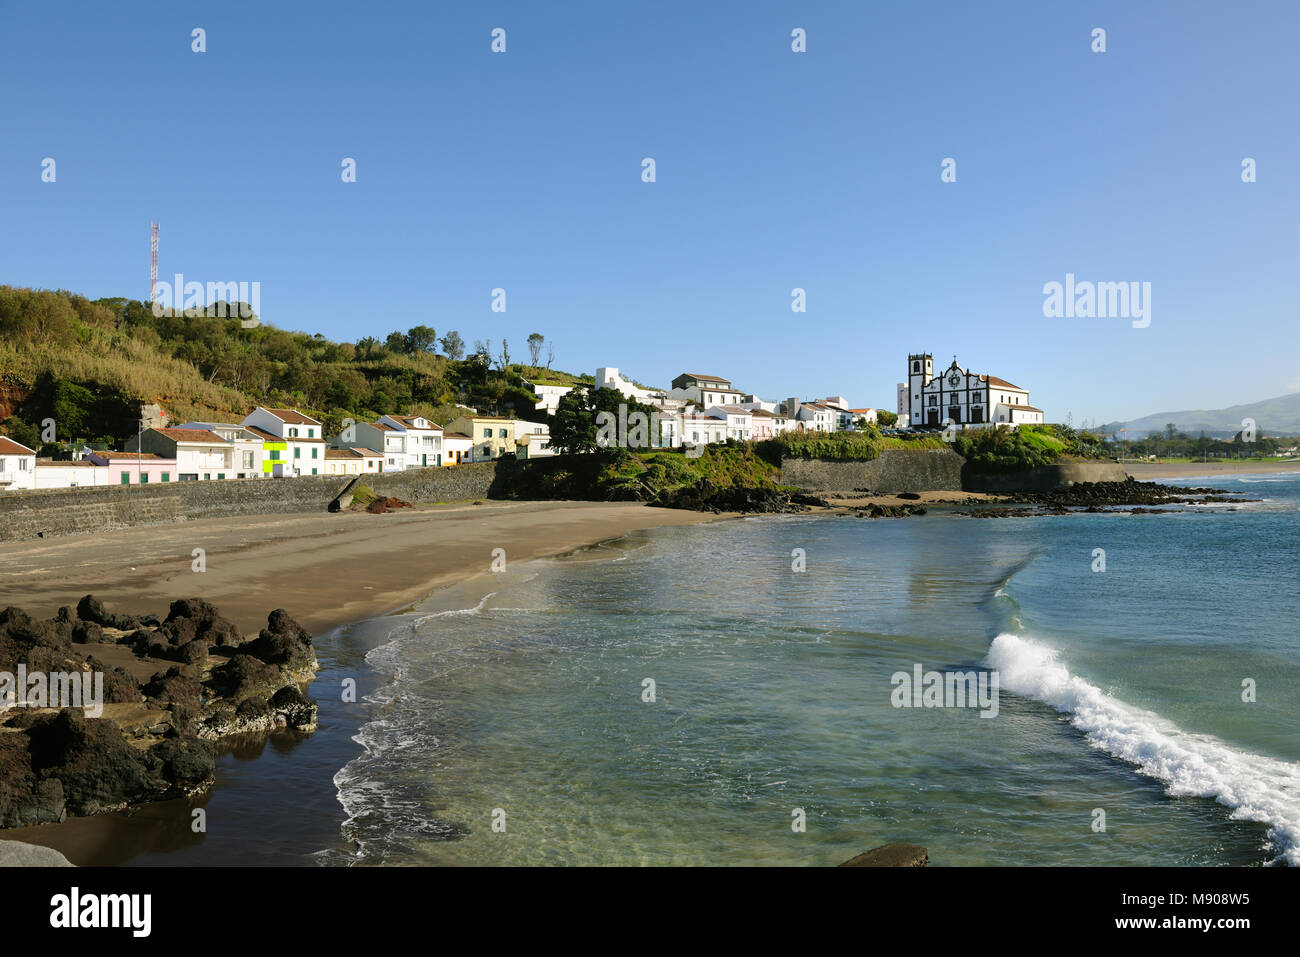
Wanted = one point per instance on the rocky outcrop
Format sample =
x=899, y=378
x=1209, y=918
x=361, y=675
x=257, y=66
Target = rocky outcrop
x=1106, y=496
x=156, y=739
x=19, y=854
x=891, y=855
x=704, y=496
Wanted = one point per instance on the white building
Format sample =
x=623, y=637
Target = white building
x=963, y=398
x=767, y=425
x=200, y=455
x=532, y=439
x=548, y=396
x=17, y=466
x=705, y=429
x=811, y=416
x=607, y=377
x=457, y=447
x=247, y=444
x=406, y=441
x=50, y=474
x=303, y=437
x=740, y=421
x=352, y=461
x=704, y=390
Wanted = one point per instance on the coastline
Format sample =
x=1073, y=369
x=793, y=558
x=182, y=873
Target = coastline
x=325, y=570
x=388, y=556
x=1146, y=471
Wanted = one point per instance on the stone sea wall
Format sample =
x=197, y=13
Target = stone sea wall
x=1046, y=477
x=894, y=470
x=84, y=511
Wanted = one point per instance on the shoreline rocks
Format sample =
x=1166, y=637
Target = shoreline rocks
x=891, y=855
x=155, y=739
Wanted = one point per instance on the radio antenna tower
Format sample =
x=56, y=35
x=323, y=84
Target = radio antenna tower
x=153, y=260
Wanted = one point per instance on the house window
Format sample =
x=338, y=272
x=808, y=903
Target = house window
x=126, y=478
x=144, y=478
x=487, y=433
x=293, y=433
x=313, y=471
x=313, y=451
x=207, y=476
x=189, y=476
x=167, y=476
x=221, y=475
x=311, y=433
x=297, y=452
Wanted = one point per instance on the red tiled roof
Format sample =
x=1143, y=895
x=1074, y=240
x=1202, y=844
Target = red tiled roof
x=292, y=417
x=9, y=447
x=263, y=433
x=1003, y=384
x=192, y=435
x=456, y=435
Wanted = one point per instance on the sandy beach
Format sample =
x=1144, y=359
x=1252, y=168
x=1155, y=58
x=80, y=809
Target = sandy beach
x=1147, y=471
x=325, y=570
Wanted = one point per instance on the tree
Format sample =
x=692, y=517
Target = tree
x=453, y=345
x=420, y=339
x=550, y=355
x=535, y=341
x=503, y=360
x=886, y=419
x=483, y=351
x=1171, y=430
x=573, y=425
x=396, y=342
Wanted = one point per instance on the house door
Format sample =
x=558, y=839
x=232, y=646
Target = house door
x=931, y=416
x=977, y=414
x=424, y=459
x=954, y=413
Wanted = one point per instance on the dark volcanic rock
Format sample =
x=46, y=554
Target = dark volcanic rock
x=96, y=766
x=704, y=496
x=282, y=642
x=87, y=633
x=119, y=686
x=243, y=675
x=891, y=855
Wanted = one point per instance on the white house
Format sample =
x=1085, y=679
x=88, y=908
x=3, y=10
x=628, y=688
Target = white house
x=532, y=439
x=406, y=441
x=17, y=466
x=353, y=461
x=963, y=398
x=200, y=455
x=706, y=429
x=740, y=421
x=457, y=447
x=303, y=438
x=548, y=396
x=75, y=474
x=811, y=416
x=248, y=446
x=705, y=390
x=607, y=377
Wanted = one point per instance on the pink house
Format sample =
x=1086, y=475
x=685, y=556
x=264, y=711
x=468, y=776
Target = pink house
x=126, y=468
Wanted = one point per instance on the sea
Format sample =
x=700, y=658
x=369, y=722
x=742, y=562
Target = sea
x=745, y=692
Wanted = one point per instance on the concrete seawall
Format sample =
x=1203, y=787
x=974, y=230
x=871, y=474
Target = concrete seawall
x=85, y=511
x=894, y=470
x=937, y=470
x=1045, y=477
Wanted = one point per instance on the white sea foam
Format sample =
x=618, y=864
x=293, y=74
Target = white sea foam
x=1255, y=787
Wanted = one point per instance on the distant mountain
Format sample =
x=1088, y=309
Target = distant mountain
x=1280, y=416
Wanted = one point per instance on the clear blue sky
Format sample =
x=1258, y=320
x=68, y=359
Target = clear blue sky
x=775, y=170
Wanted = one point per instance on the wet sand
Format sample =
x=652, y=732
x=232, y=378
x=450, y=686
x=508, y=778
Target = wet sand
x=1149, y=471
x=325, y=570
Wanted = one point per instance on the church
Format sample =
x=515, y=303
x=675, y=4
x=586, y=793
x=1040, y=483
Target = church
x=961, y=397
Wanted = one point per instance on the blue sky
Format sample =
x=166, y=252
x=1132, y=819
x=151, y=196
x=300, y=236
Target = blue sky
x=775, y=170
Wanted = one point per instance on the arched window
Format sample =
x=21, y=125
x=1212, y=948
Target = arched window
x=916, y=367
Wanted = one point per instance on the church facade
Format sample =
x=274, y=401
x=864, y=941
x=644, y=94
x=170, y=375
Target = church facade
x=963, y=398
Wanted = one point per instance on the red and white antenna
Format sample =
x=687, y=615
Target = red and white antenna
x=153, y=260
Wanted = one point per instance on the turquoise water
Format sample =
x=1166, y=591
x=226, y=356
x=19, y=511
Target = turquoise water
x=1120, y=692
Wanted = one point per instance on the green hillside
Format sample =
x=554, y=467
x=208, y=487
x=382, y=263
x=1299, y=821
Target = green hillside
x=90, y=364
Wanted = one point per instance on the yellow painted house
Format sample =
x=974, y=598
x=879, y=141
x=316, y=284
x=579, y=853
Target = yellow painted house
x=490, y=436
